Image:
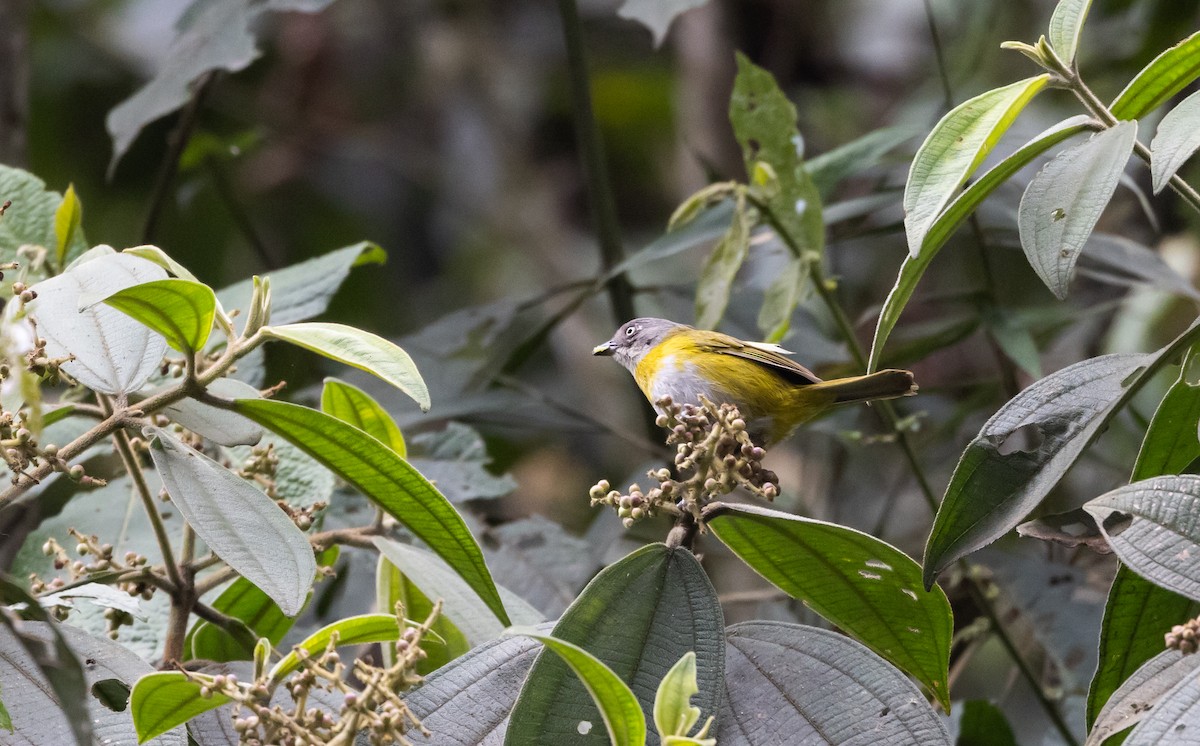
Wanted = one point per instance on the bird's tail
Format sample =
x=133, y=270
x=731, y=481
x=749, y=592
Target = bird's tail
x=884, y=384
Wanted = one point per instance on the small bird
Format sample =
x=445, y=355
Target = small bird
x=773, y=393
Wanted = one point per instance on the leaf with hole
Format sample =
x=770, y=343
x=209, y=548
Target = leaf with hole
x=861, y=584
x=999, y=479
x=1064, y=200
x=957, y=146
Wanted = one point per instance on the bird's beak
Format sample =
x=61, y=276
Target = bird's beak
x=605, y=349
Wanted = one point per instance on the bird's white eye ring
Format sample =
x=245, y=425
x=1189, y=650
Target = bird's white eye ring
x=629, y=331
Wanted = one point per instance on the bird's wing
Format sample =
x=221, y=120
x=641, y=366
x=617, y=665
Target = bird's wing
x=763, y=354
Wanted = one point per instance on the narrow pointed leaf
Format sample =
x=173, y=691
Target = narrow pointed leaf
x=180, y=310
x=1175, y=141
x=1064, y=200
x=354, y=406
x=162, y=259
x=1155, y=529
x=913, y=268
x=165, y=700
x=67, y=219
x=1136, y=616
x=622, y=715
x=716, y=278
x=353, y=630
x=861, y=584
x=389, y=481
x=666, y=607
x=1167, y=74
x=1172, y=440
x=674, y=714
x=1140, y=693
x=359, y=349
x=238, y=522
x=996, y=485
x=955, y=148
x=1066, y=24
x=787, y=683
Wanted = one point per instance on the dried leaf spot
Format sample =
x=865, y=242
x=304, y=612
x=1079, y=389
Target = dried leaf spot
x=914, y=630
x=1058, y=214
x=885, y=712
x=1064, y=253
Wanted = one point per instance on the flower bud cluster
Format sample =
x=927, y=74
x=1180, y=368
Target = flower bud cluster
x=261, y=467
x=1184, y=637
x=714, y=455
x=374, y=711
x=22, y=451
x=102, y=562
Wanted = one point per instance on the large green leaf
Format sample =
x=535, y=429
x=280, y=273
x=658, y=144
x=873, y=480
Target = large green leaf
x=354, y=406
x=1064, y=200
x=1175, y=141
x=1167, y=74
x=1136, y=616
x=638, y=616
x=1171, y=441
x=913, y=268
x=790, y=684
x=954, y=149
x=180, y=310
x=997, y=482
x=861, y=584
x=1154, y=527
x=165, y=700
x=388, y=480
x=984, y=724
x=620, y=710
x=238, y=522
x=358, y=348
x=1066, y=24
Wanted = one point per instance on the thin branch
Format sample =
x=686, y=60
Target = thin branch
x=175, y=145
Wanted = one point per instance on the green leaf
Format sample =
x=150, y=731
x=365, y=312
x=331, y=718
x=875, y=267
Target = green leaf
x=1154, y=529
x=1171, y=441
x=618, y=707
x=245, y=602
x=1142, y=691
x=360, y=349
x=5, y=720
x=764, y=123
x=162, y=259
x=237, y=522
x=1175, y=141
x=716, y=278
x=1167, y=74
x=954, y=149
x=32, y=219
x=665, y=606
x=674, y=713
x=983, y=724
x=863, y=585
x=1066, y=24
x=113, y=354
x=165, y=700
x=180, y=310
x=354, y=406
x=388, y=480
x=828, y=169
x=392, y=587
x=913, y=268
x=791, y=684
x=354, y=630
x=1136, y=616
x=781, y=298
x=67, y=219
x=998, y=482
x=1064, y=200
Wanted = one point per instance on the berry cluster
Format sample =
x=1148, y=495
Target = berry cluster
x=713, y=454
x=133, y=565
x=1184, y=637
x=375, y=711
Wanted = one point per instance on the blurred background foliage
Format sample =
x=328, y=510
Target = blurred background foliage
x=442, y=130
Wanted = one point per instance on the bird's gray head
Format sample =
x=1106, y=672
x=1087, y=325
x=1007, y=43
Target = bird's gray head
x=633, y=340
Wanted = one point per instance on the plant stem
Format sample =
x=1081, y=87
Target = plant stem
x=175, y=145
x=129, y=460
x=600, y=196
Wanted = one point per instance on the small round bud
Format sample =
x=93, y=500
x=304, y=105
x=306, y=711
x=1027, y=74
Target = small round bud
x=661, y=420
x=50, y=450
x=48, y=549
x=75, y=472
x=637, y=514
x=627, y=522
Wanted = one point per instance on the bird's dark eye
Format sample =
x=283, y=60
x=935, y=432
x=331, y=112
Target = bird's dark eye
x=629, y=331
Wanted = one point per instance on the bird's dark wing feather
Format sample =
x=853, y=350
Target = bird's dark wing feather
x=790, y=370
